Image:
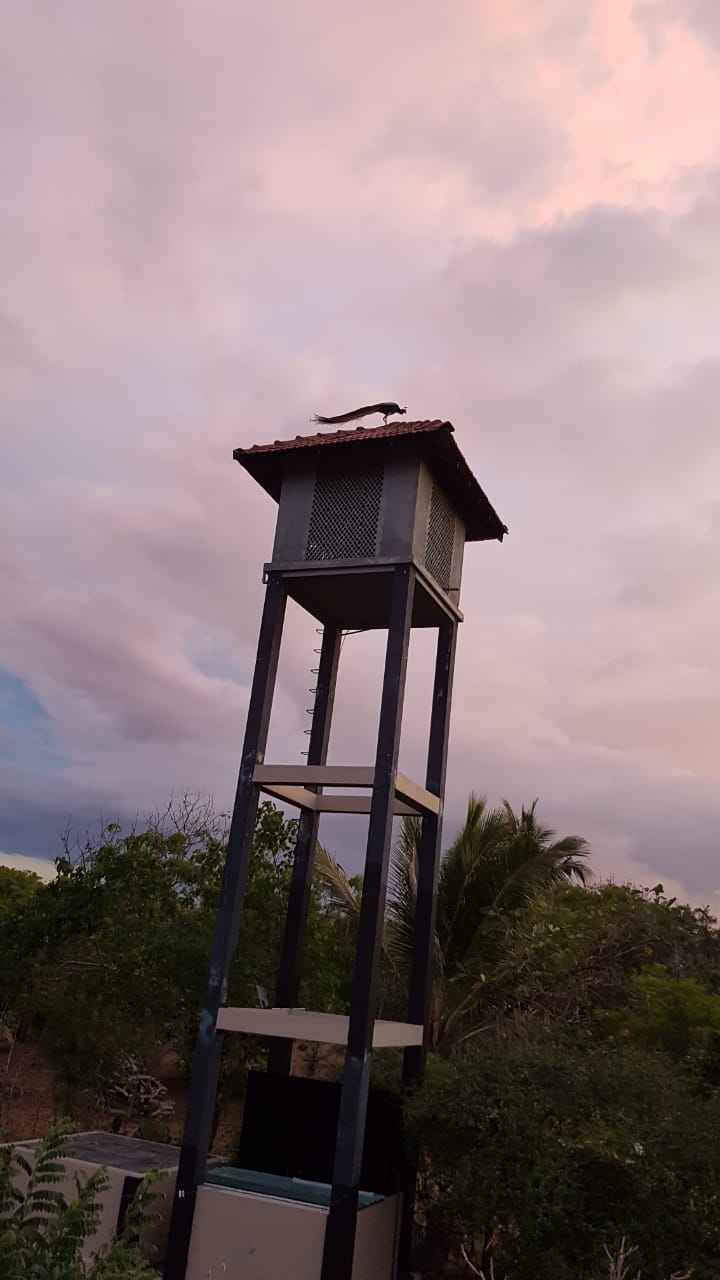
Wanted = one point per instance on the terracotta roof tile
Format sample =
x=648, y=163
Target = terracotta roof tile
x=344, y=437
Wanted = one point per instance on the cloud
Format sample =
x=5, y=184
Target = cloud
x=17, y=349
x=551, y=278
x=501, y=148
x=703, y=15
x=223, y=222
x=700, y=16
x=20, y=862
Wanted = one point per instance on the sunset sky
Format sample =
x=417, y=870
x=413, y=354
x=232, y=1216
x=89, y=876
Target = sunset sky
x=219, y=217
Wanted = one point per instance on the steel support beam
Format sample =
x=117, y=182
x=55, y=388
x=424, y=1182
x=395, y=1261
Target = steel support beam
x=206, y=1060
x=288, y=983
x=340, y=1231
x=423, y=941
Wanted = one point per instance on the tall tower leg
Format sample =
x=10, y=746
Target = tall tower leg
x=206, y=1059
x=423, y=949
x=288, y=983
x=340, y=1230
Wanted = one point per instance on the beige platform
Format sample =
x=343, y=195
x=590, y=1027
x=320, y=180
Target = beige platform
x=289, y=782
x=324, y=1028
x=239, y=1235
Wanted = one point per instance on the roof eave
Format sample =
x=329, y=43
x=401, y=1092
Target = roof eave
x=266, y=468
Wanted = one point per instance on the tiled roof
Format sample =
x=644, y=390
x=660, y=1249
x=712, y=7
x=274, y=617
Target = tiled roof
x=436, y=443
x=356, y=434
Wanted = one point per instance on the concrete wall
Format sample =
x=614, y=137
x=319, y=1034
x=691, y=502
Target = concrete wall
x=241, y=1236
x=122, y=1184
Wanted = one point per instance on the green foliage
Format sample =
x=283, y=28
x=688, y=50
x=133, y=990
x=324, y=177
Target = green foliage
x=577, y=1101
x=575, y=950
x=43, y=1234
x=540, y=1153
x=327, y=954
x=109, y=959
x=499, y=863
x=16, y=887
x=550, y=1142
x=677, y=1015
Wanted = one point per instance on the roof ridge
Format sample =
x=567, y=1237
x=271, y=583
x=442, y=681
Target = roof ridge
x=342, y=436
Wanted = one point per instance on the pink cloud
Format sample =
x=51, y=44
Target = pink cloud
x=217, y=223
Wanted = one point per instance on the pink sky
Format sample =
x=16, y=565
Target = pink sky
x=219, y=218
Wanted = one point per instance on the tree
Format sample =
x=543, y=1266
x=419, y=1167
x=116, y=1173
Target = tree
x=16, y=887
x=109, y=959
x=541, y=1152
x=574, y=951
x=677, y=1015
x=499, y=862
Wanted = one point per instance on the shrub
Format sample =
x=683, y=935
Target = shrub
x=42, y=1234
x=540, y=1155
x=677, y=1015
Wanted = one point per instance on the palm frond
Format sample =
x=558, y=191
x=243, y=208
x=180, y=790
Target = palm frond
x=403, y=891
x=337, y=884
x=499, y=862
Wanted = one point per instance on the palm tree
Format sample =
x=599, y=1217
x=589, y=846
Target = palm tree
x=498, y=863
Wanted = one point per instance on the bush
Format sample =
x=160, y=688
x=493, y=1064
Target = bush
x=677, y=1015
x=108, y=961
x=541, y=1155
x=42, y=1235
x=576, y=950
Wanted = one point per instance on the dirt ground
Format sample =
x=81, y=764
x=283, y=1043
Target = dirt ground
x=28, y=1103
x=26, y=1092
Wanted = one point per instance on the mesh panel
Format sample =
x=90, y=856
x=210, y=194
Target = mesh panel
x=440, y=539
x=345, y=515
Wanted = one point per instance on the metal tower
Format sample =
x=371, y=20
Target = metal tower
x=371, y=529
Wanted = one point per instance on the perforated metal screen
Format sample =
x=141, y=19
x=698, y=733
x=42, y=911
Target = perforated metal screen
x=345, y=515
x=440, y=538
